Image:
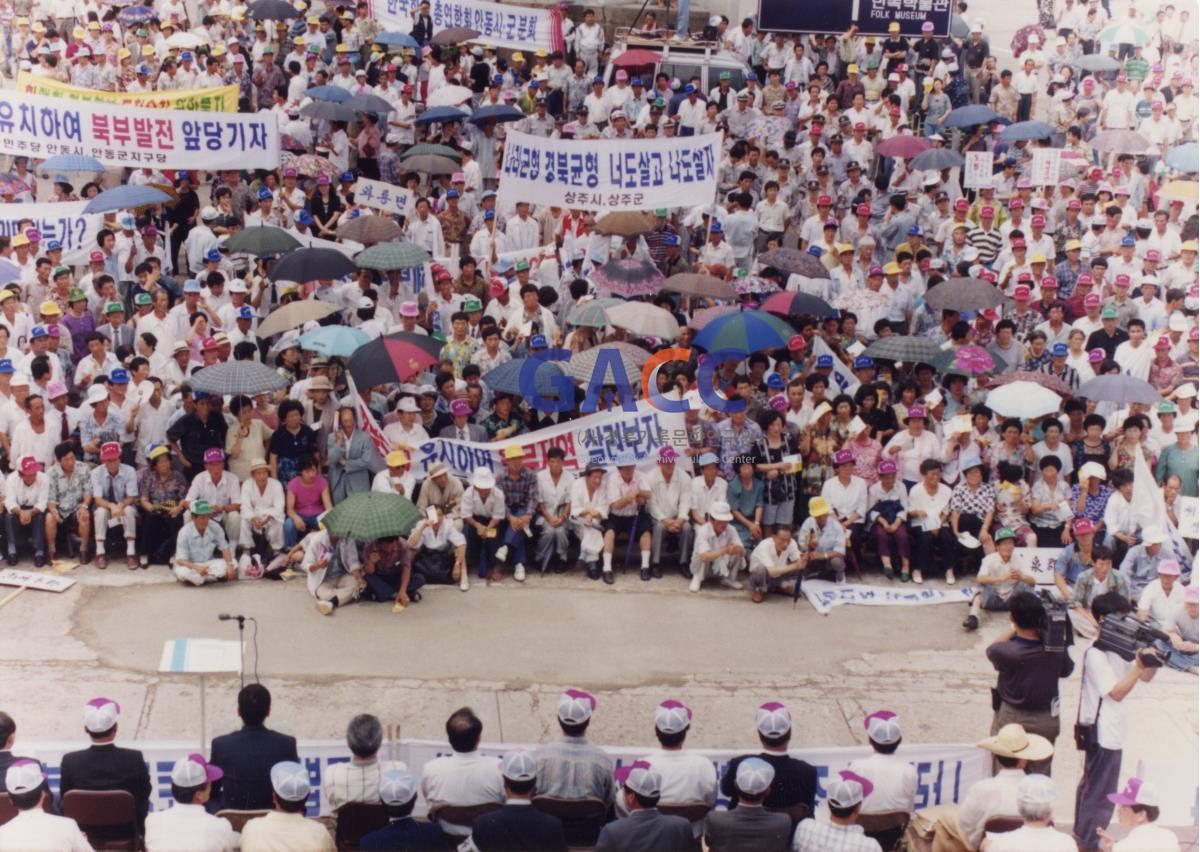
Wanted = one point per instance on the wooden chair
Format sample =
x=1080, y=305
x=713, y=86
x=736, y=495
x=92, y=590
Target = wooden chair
x=462, y=815
x=582, y=818
x=887, y=827
x=797, y=812
x=355, y=819
x=1002, y=824
x=238, y=819
x=691, y=811
x=107, y=817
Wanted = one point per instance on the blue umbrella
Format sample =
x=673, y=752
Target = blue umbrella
x=1184, y=158
x=496, y=113
x=336, y=94
x=396, y=40
x=749, y=331
x=969, y=116
x=507, y=377
x=71, y=163
x=936, y=159
x=135, y=15
x=334, y=341
x=9, y=271
x=438, y=115
x=125, y=197
x=1026, y=130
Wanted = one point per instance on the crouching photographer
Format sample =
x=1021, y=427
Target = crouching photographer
x=1030, y=660
x=1116, y=662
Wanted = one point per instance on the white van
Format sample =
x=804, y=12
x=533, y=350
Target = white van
x=681, y=60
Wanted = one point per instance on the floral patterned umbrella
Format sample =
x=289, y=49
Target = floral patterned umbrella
x=966, y=360
x=1020, y=39
x=628, y=278
x=753, y=285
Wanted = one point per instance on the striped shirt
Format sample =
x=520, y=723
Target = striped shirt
x=986, y=242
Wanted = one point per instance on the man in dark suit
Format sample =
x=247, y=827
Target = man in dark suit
x=246, y=756
x=518, y=825
x=398, y=791
x=461, y=428
x=104, y=766
x=646, y=829
x=795, y=781
x=749, y=827
x=8, y=733
x=422, y=30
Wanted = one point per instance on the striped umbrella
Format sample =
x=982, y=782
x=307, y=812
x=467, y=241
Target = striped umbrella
x=371, y=515
x=237, y=377
x=749, y=331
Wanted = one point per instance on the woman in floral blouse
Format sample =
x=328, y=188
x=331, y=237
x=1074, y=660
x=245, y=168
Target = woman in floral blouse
x=161, y=490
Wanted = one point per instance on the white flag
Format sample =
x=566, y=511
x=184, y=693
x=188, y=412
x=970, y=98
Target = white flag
x=843, y=377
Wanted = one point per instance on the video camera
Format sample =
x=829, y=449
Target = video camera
x=1057, y=634
x=1128, y=638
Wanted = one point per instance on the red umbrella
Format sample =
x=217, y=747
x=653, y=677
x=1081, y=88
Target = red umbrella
x=903, y=146
x=636, y=58
x=390, y=359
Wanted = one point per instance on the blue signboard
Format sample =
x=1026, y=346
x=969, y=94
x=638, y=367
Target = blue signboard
x=836, y=16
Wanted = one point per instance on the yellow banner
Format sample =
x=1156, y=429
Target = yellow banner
x=218, y=99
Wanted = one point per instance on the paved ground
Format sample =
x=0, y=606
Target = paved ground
x=509, y=651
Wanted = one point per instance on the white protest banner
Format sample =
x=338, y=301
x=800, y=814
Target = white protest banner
x=842, y=376
x=609, y=174
x=1038, y=561
x=117, y=135
x=35, y=580
x=1045, y=166
x=63, y=221
x=825, y=595
x=596, y=437
x=498, y=24
x=383, y=196
x=945, y=772
x=1189, y=517
x=977, y=171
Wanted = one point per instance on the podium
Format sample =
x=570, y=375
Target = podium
x=201, y=656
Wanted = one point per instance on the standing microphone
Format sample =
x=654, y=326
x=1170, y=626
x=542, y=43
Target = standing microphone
x=225, y=616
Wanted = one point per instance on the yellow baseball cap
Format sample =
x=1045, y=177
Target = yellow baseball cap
x=79, y=32
x=518, y=57
x=1190, y=245
x=397, y=458
x=891, y=268
x=1072, y=245
x=540, y=52
x=818, y=506
x=123, y=53
x=50, y=308
x=299, y=40
x=514, y=451
x=851, y=69
x=1038, y=257
x=38, y=27
x=147, y=50
x=20, y=240
x=93, y=25
x=22, y=22
x=6, y=294
x=314, y=20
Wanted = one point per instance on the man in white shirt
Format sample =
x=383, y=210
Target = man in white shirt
x=1035, y=804
x=1139, y=809
x=669, y=506
x=772, y=560
x=358, y=780
x=553, y=512
x=32, y=827
x=1162, y=596
x=465, y=777
x=186, y=826
x=26, y=493
x=895, y=779
x=687, y=776
x=1119, y=109
x=719, y=551
x=406, y=432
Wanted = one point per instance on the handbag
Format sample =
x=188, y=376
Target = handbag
x=1086, y=735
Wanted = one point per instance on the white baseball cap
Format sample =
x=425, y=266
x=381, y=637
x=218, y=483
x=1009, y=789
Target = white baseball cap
x=754, y=776
x=883, y=727
x=408, y=404
x=848, y=790
x=24, y=776
x=483, y=478
x=397, y=787
x=643, y=779
x=576, y=706
x=773, y=720
x=672, y=716
x=100, y=714
x=289, y=780
x=194, y=771
x=518, y=765
x=720, y=511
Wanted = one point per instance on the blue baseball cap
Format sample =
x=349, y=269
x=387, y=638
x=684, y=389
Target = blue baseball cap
x=716, y=227
x=452, y=193
x=750, y=75
x=815, y=250
x=497, y=79
x=533, y=84
x=672, y=239
x=119, y=376
x=143, y=68
x=186, y=56
x=689, y=89
x=347, y=177
x=213, y=254
x=245, y=313
x=199, y=395
x=538, y=341
x=599, y=80
x=503, y=264
x=489, y=214
x=862, y=362
x=824, y=362
x=38, y=331
x=54, y=245
x=914, y=230
x=6, y=365
x=774, y=380
x=1128, y=240
x=182, y=173
x=1059, y=350
x=264, y=194
x=191, y=286
x=304, y=217
x=636, y=81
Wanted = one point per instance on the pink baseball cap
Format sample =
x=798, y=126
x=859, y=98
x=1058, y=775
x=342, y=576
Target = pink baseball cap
x=460, y=408
x=1083, y=526
x=1021, y=293
x=109, y=451
x=214, y=455
x=96, y=256
x=1136, y=792
x=30, y=465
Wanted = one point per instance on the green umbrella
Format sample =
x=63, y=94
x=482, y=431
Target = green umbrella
x=429, y=149
x=588, y=314
x=371, y=515
x=388, y=256
x=262, y=239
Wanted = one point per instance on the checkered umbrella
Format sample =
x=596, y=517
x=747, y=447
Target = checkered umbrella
x=901, y=347
x=394, y=255
x=371, y=515
x=237, y=377
x=582, y=365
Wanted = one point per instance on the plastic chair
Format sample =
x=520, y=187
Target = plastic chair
x=355, y=819
x=107, y=817
x=238, y=819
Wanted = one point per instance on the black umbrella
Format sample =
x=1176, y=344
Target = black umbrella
x=311, y=264
x=1120, y=389
x=795, y=262
x=328, y=111
x=272, y=10
x=963, y=294
x=390, y=359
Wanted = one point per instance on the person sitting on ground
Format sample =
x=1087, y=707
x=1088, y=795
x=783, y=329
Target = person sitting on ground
x=333, y=570
x=33, y=827
x=465, y=778
x=286, y=826
x=387, y=570
x=999, y=579
x=106, y=766
x=186, y=824
x=646, y=827
x=1035, y=805
x=844, y=796
x=718, y=550
x=517, y=826
x=398, y=792
x=202, y=555
x=247, y=755
x=749, y=827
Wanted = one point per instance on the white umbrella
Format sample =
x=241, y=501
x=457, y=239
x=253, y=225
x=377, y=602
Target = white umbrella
x=185, y=40
x=449, y=96
x=644, y=320
x=1023, y=400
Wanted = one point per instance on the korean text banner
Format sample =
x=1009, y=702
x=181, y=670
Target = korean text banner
x=601, y=437
x=498, y=24
x=219, y=99
x=610, y=174
x=38, y=126
x=382, y=196
x=62, y=221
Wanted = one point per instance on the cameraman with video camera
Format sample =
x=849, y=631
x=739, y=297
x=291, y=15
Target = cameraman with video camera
x=1108, y=677
x=1026, y=689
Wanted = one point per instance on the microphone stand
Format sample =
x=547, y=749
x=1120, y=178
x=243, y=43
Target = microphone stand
x=241, y=620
